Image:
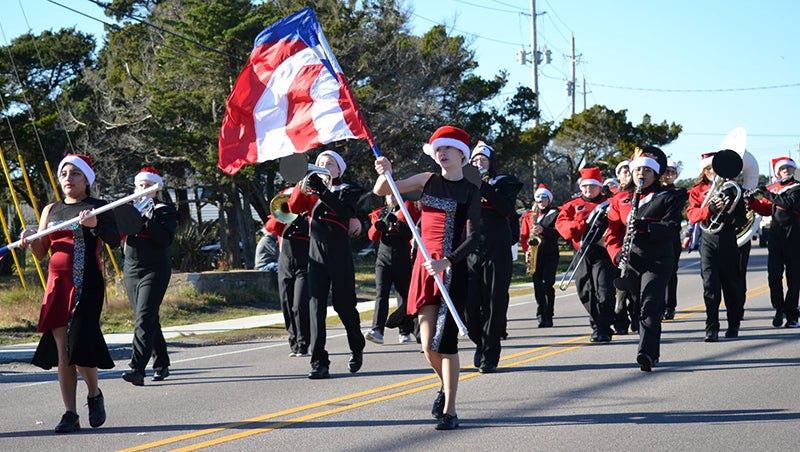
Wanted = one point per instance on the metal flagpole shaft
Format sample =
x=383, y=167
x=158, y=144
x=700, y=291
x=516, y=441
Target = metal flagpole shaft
x=94, y=212
x=462, y=329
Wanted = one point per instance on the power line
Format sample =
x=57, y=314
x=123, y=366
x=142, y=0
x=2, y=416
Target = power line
x=707, y=90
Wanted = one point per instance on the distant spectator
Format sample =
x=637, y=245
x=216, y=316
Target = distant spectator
x=267, y=253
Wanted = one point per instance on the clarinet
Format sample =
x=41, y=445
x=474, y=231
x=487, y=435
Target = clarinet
x=622, y=283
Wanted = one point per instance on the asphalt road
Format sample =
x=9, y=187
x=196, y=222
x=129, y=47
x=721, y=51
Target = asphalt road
x=553, y=391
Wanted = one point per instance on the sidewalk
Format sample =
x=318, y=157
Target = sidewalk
x=24, y=352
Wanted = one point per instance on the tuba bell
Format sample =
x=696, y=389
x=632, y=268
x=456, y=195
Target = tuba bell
x=279, y=208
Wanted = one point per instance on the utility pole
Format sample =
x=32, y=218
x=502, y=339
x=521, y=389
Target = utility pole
x=572, y=77
x=535, y=81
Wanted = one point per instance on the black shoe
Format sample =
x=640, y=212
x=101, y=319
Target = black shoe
x=777, y=321
x=712, y=336
x=593, y=337
x=477, y=358
x=318, y=372
x=134, y=377
x=487, y=368
x=792, y=324
x=355, y=362
x=603, y=337
x=621, y=331
x=669, y=314
x=548, y=322
x=70, y=422
x=732, y=332
x=438, y=405
x=645, y=362
x=97, y=410
x=160, y=374
x=447, y=422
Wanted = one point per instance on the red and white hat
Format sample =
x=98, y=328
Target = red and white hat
x=591, y=176
x=482, y=149
x=620, y=165
x=82, y=162
x=335, y=155
x=150, y=174
x=778, y=162
x=645, y=160
x=448, y=136
x=705, y=160
x=543, y=191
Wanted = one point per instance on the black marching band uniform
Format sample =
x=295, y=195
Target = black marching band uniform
x=547, y=255
x=719, y=256
x=594, y=277
x=293, y=243
x=651, y=253
x=781, y=199
x=392, y=266
x=490, y=264
x=147, y=272
x=672, y=287
x=330, y=264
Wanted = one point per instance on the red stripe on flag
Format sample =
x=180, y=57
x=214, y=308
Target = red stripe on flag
x=352, y=114
x=299, y=121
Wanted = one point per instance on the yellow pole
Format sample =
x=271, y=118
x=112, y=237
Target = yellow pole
x=13, y=252
x=24, y=170
x=19, y=213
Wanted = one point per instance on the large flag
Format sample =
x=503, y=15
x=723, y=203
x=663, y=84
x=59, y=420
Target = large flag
x=290, y=97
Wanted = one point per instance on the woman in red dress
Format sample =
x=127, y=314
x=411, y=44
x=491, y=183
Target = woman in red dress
x=73, y=299
x=450, y=207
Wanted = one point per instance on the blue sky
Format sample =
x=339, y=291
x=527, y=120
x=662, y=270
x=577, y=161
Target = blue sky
x=707, y=65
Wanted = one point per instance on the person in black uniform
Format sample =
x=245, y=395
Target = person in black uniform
x=543, y=228
x=491, y=263
x=594, y=277
x=147, y=273
x=719, y=254
x=293, y=290
x=330, y=263
x=668, y=180
x=781, y=199
x=392, y=266
x=650, y=254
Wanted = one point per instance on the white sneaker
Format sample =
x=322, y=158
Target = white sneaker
x=375, y=336
x=405, y=338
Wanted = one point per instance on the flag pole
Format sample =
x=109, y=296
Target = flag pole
x=462, y=329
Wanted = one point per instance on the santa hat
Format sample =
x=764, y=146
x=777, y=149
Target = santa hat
x=620, y=165
x=705, y=160
x=645, y=160
x=150, y=174
x=611, y=182
x=778, y=162
x=448, y=136
x=482, y=149
x=543, y=191
x=591, y=176
x=335, y=155
x=674, y=164
x=80, y=161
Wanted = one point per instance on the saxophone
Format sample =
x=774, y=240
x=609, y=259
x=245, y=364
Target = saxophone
x=533, y=243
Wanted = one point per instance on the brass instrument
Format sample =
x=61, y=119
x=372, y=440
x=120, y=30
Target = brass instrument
x=314, y=169
x=727, y=164
x=737, y=141
x=484, y=174
x=533, y=243
x=588, y=239
x=145, y=206
x=622, y=283
x=279, y=208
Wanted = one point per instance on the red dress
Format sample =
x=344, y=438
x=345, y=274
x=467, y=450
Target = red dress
x=75, y=288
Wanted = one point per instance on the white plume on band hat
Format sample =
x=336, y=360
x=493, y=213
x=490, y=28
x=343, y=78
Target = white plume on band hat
x=80, y=161
x=335, y=155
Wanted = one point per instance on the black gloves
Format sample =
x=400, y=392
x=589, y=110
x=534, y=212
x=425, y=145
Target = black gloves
x=316, y=183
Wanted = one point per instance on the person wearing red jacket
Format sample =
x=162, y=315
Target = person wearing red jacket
x=781, y=200
x=649, y=256
x=293, y=289
x=330, y=260
x=543, y=227
x=719, y=253
x=392, y=266
x=594, y=276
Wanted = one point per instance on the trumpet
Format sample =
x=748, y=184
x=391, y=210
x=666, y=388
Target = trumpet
x=279, y=208
x=314, y=169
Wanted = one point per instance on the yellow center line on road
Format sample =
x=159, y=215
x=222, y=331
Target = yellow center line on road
x=538, y=352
